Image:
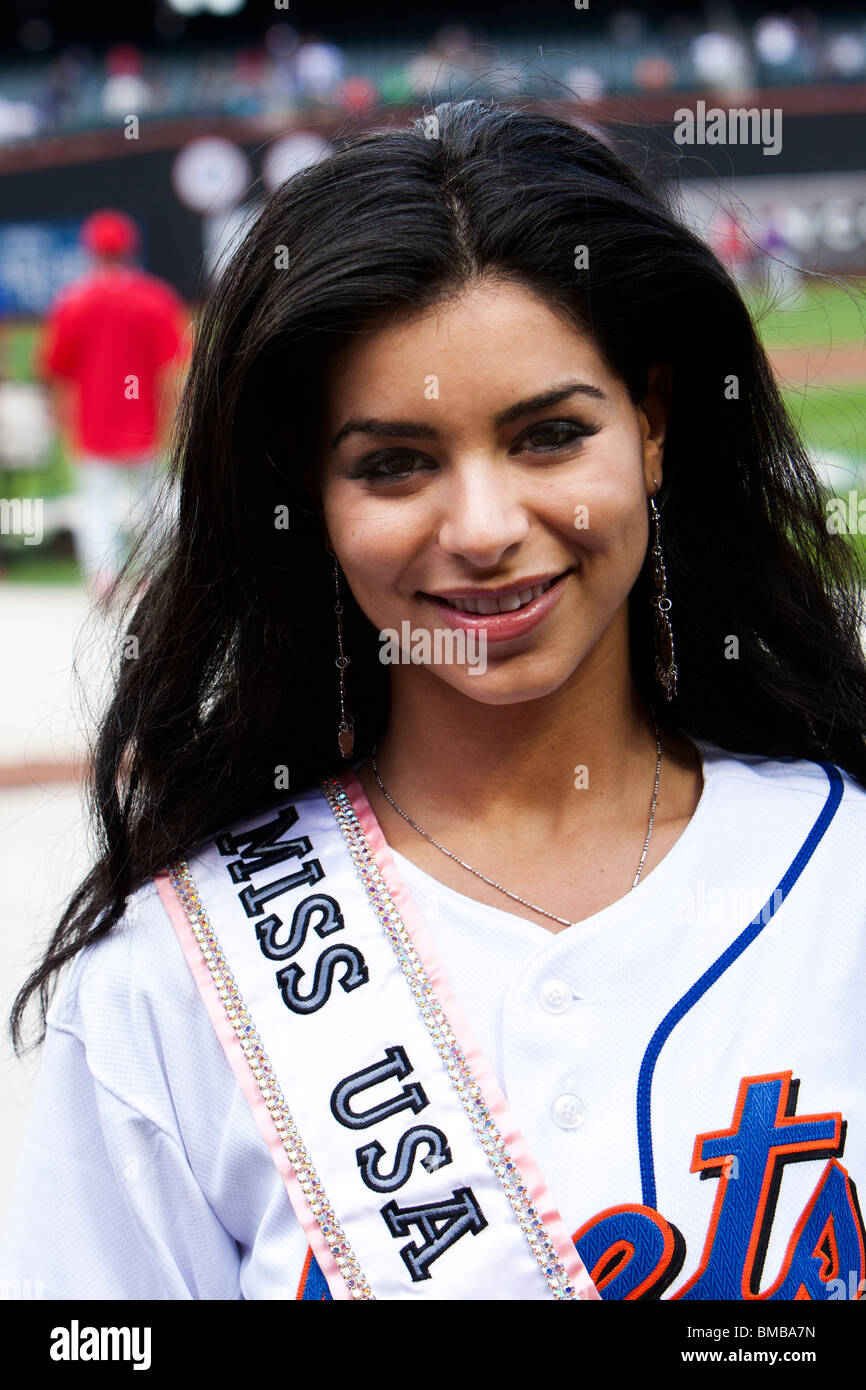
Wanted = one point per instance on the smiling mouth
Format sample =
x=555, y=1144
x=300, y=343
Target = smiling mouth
x=488, y=604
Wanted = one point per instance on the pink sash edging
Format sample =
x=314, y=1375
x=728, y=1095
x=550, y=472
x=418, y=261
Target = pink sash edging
x=247, y=1082
x=459, y=1024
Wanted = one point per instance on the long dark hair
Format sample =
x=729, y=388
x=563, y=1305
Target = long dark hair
x=235, y=676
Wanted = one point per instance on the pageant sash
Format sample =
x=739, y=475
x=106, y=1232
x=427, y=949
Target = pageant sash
x=401, y=1160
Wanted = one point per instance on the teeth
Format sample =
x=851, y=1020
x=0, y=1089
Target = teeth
x=509, y=604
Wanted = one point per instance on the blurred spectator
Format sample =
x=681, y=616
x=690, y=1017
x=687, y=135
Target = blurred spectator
x=654, y=73
x=776, y=40
x=319, y=68
x=281, y=41
x=722, y=61
x=772, y=262
x=845, y=56
x=18, y=120
x=783, y=50
x=126, y=90
x=397, y=85
x=626, y=27
x=449, y=63
x=731, y=244
x=60, y=89
x=586, y=83
x=356, y=94
x=115, y=340
x=246, y=94
x=211, y=81
x=281, y=78
x=619, y=54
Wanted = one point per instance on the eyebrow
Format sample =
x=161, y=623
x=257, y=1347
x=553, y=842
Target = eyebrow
x=410, y=429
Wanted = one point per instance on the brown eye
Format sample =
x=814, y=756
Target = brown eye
x=550, y=435
x=393, y=465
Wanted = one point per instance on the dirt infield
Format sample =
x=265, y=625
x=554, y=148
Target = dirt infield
x=38, y=773
x=840, y=364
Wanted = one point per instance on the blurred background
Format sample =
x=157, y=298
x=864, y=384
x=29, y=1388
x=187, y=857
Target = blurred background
x=180, y=116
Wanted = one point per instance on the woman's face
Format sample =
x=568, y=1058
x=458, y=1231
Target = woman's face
x=473, y=453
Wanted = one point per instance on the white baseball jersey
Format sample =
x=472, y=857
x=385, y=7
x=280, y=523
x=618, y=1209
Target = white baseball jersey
x=686, y=1067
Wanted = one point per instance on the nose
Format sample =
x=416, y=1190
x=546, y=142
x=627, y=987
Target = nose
x=484, y=515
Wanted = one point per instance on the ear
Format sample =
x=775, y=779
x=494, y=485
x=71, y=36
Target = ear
x=653, y=417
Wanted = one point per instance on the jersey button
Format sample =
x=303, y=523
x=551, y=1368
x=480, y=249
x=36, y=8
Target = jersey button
x=569, y=1111
x=555, y=996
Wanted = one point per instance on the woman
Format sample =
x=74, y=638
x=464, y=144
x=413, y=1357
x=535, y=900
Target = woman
x=497, y=730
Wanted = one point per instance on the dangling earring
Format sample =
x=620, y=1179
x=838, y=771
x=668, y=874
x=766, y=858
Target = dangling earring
x=346, y=728
x=666, y=666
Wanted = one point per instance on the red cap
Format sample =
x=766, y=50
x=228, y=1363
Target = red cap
x=109, y=233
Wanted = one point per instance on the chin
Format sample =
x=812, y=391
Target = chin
x=506, y=687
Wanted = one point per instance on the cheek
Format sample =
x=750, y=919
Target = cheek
x=603, y=511
x=380, y=547
x=376, y=543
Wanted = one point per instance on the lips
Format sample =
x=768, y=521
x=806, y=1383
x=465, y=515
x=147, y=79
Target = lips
x=502, y=615
x=493, y=603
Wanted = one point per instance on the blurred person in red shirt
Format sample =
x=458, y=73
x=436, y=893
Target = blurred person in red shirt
x=115, y=347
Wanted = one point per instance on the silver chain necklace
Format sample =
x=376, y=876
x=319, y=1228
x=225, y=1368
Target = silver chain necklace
x=498, y=886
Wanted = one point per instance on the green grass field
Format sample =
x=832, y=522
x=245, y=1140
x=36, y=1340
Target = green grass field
x=822, y=313
x=828, y=319
x=831, y=417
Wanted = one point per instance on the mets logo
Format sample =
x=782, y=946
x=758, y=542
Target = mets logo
x=633, y=1252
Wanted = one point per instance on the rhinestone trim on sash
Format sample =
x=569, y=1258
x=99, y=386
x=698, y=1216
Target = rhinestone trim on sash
x=241, y=1021
x=467, y=1088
